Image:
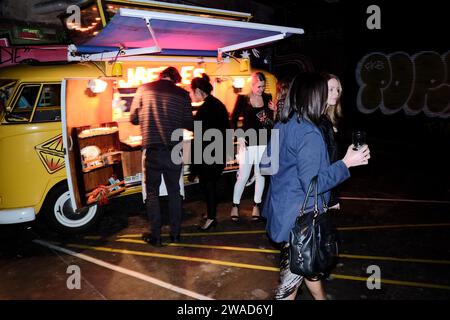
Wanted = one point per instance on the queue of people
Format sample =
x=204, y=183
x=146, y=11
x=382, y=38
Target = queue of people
x=306, y=113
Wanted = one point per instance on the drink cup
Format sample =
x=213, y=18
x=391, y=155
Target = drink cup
x=358, y=139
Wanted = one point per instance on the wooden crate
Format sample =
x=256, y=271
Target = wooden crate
x=131, y=162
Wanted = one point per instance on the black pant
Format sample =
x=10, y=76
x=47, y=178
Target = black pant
x=158, y=161
x=208, y=178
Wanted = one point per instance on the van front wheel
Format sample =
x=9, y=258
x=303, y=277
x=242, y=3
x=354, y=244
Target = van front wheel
x=61, y=216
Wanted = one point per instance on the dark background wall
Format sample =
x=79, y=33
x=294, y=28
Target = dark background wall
x=405, y=65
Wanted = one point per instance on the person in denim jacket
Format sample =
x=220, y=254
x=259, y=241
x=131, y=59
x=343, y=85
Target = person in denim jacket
x=302, y=155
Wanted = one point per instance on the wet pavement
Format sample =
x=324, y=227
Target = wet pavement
x=395, y=220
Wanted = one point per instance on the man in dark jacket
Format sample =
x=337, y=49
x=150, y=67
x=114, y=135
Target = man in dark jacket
x=160, y=108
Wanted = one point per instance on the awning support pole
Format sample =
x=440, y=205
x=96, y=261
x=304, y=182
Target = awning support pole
x=253, y=43
x=152, y=33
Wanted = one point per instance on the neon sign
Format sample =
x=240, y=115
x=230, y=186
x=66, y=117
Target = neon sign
x=139, y=75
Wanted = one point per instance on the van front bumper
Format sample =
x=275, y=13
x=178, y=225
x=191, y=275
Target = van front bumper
x=19, y=215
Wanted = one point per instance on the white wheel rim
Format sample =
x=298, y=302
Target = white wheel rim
x=63, y=204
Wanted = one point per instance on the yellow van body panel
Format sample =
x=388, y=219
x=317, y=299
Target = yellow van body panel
x=28, y=162
x=31, y=154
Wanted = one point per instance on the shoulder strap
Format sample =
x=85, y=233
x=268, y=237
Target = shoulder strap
x=313, y=184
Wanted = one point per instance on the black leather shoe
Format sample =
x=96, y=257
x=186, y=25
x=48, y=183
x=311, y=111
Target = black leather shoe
x=156, y=242
x=175, y=239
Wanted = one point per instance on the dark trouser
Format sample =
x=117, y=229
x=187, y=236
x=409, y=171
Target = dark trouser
x=208, y=177
x=158, y=161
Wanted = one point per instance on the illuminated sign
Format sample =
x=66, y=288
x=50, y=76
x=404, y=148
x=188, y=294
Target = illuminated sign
x=139, y=75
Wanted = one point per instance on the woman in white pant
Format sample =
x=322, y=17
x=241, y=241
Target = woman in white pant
x=257, y=122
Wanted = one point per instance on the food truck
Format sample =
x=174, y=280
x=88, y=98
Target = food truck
x=65, y=157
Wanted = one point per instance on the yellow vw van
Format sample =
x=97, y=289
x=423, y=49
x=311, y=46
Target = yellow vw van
x=32, y=175
x=37, y=174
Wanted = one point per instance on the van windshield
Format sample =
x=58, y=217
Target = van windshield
x=6, y=89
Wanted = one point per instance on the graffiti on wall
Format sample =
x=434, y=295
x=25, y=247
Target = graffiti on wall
x=399, y=81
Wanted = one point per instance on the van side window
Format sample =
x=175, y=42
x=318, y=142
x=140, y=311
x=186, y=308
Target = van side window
x=23, y=108
x=6, y=89
x=49, y=104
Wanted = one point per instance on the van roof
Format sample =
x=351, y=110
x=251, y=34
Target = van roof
x=51, y=72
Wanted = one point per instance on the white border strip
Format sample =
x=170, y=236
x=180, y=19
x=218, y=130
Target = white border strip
x=395, y=200
x=124, y=271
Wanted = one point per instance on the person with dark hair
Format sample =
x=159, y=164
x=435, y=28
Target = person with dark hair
x=160, y=108
x=257, y=115
x=328, y=124
x=213, y=115
x=171, y=73
x=302, y=156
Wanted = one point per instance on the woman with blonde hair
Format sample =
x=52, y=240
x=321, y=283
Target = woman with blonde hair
x=329, y=125
x=257, y=116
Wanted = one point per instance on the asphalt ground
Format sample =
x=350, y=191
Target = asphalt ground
x=395, y=221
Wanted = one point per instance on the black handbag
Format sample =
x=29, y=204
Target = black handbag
x=313, y=246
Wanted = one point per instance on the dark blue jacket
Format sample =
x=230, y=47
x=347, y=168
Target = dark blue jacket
x=302, y=155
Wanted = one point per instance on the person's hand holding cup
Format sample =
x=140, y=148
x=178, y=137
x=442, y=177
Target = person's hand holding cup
x=358, y=153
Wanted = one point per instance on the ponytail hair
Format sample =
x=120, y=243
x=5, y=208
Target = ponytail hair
x=203, y=83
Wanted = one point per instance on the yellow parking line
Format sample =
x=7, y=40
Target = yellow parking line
x=243, y=249
x=202, y=246
x=252, y=266
x=351, y=256
x=200, y=234
x=394, y=226
x=92, y=237
x=175, y=257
